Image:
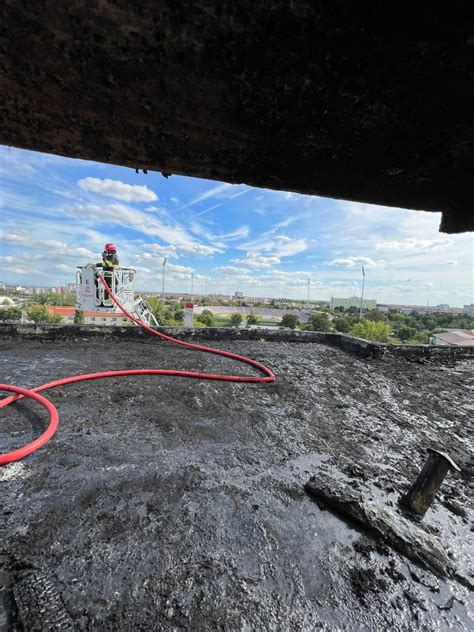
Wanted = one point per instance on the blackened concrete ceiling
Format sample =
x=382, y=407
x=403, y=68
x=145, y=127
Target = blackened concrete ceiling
x=370, y=102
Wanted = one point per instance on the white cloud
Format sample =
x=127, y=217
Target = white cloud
x=222, y=191
x=210, y=193
x=242, y=231
x=350, y=262
x=219, y=239
x=161, y=251
x=118, y=214
x=174, y=252
x=231, y=270
x=452, y=262
x=174, y=267
x=118, y=190
x=412, y=244
x=286, y=222
x=20, y=270
x=198, y=249
x=350, y=284
x=51, y=246
x=256, y=260
x=239, y=193
x=14, y=238
x=279, y=246
x=61, y=248
x=143, y=270
x=207, y=210
x=287, y=246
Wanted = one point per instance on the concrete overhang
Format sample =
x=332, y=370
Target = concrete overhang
x=371, y=103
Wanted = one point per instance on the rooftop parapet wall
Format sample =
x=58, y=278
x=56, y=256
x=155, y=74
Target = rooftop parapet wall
x=357, y=346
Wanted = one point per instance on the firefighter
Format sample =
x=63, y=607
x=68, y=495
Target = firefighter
x=109, y=263
x=110, y=259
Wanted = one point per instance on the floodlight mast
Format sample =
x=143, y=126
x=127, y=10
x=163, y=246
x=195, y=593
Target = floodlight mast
x=163, y=283
x=362, y=295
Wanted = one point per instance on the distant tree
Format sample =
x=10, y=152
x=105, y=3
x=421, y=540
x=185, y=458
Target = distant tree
x=179, y=314
x=405, y=333
x=79, y=317
x=41, y=314
x=56, y=298
x=204, y=300
x=396, y=317
x=353, y=310
x=12, y=313
x=251, y=319
x=206, y=317
x=168, y=314
x=342, y=324
x=157, y=308
x=371, y=330
x=289, y=320
x=420, y=338
x=236, y=319
x=376, y=315
x=165, y=313
x=320, y=322
x=429, y=323
x=339, y=308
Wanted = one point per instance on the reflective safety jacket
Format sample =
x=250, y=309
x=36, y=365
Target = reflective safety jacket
x=110, y=261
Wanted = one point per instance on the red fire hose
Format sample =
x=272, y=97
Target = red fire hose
x=16, y=455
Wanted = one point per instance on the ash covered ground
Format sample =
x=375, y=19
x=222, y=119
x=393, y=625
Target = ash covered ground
x=173, y=504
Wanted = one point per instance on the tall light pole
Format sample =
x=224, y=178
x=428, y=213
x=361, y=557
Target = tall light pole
x=163, y=284
x=362, y=295
x=309, y=285
x=192, y=285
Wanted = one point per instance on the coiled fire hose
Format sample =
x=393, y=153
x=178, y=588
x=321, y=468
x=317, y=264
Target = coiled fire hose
x=20, y=393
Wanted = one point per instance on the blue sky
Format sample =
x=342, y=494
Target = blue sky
x=57, y=213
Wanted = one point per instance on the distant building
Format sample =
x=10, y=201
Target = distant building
x=353, y=301
x=407, y=311
x=72, y=287
x=453, y=338
x=113, y=319
x=468, y=310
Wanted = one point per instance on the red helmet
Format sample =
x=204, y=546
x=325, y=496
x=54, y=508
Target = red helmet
x=110, y=248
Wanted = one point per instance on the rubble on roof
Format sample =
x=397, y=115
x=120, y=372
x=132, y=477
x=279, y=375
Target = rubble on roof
x=165, y=503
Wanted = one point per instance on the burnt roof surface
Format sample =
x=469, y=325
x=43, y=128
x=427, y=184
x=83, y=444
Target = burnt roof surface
x=164, y=503
x=369, y=103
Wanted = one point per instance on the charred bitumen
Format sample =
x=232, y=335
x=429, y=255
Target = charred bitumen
x=167, y=503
